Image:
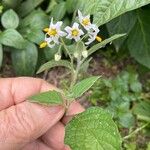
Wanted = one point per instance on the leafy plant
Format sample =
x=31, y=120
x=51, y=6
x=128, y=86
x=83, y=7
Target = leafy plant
x=119, y=93
x=27, y=18
x=135, y=24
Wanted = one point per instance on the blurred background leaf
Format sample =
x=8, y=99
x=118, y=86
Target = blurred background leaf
x=24, y=61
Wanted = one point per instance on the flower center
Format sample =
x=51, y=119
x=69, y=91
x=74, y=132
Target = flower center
x=75, y=32
x=52, y=32
x=85, y=21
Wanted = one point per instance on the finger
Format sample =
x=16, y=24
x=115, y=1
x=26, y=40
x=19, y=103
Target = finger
x=25, y=122
x=17, y=90
x=54, y=137
x=75, y=108
x=37, y=145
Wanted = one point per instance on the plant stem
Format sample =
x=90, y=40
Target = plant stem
x=135, y=132
x=63, y=43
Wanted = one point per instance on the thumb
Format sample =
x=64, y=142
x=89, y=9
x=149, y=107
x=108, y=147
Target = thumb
x=25, y=122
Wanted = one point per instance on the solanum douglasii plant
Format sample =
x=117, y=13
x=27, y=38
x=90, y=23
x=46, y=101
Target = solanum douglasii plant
x=95, y=123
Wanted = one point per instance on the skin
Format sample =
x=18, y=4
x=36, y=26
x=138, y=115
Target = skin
x=25, y=125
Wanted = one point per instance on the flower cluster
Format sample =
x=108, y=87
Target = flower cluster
x=54, y=32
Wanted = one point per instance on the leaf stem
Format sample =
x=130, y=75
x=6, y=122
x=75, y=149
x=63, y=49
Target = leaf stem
x=135, y=131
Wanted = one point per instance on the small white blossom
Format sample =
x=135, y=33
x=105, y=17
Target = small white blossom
x=57, y=57
x=85, y=53
x=74, y=32
x=50, y=42
x=54, y=31
x=84, y=20
x=92, y=32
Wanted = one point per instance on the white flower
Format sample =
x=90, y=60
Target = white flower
x=85, y=53
x=54, y=31
x=57, y=57
x=50, y=42
x=74, y=32
x=84, y=20
x=92, y=32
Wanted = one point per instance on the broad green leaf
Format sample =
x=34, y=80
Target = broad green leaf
x=142, y=110
x=121, y=24
x=47, y=98
x=59, y=11
x=27, y=6
x=10, y=3
x=93, y=129
x=138, y=41
x=106, y=10
x=127, y=120
x=103, y=43
x=12, y=38
x=80, y=88
x=35, y=35
x=24, y=61
x=51, y=5
x=37, y=19
x=53, y=63
x=10, y=19
x=50, y=52
x=1, y=55
x=70, y=5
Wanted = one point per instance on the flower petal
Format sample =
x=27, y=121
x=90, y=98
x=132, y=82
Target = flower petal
x=75, y=25
x=68, y=29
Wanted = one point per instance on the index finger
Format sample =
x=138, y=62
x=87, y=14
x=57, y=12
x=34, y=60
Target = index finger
x=17, y=90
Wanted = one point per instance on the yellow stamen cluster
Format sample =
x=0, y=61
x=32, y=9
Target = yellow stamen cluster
x=50, y=31
x=43, y=44
x=75, y=32
x=98, y=38
x=86, y=21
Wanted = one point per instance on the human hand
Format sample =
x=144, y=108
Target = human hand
x=29, y=126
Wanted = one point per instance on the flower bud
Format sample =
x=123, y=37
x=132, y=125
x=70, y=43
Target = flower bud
x=57, y=57
x=85, y=53
x=76, y=54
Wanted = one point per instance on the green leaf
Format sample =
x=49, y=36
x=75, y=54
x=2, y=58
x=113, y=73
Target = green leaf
x=121, y=24
x=106, y=10
x=93, y=129
x=59, y=11
x=24, y=61
x=47, y=98
x=27, y=6
x=103, y=43
x=142, y=110
x=138, y=41
x=51, y=5
x=127, y=120
x=1, y=55
x=80, y=88
x=10, y=3
x=35, y=35
x=10, y=19
x=37, y=19
x=70, y=5
x=50, y=52
x=53, y=63
x=12, y=38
